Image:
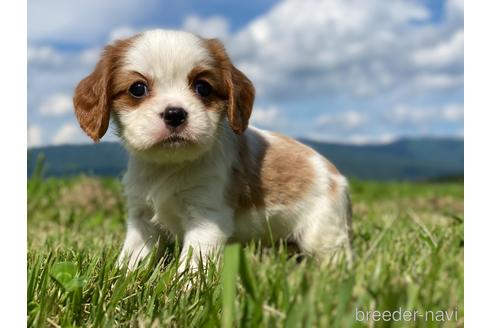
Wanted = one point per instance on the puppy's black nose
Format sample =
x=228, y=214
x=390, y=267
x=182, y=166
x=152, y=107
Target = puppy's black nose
x=174, y=116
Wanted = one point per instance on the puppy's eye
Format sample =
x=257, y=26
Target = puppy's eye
x=203, y=89
x=138, y=89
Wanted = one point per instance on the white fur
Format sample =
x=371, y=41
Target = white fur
x=181, y=192
x=186, y=200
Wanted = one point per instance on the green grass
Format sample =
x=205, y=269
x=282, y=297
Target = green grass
x=408, y=241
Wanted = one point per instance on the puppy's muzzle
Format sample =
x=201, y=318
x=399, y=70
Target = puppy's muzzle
x=174, y=116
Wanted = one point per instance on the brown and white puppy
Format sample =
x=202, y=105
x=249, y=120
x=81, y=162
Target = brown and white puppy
x=196, y=171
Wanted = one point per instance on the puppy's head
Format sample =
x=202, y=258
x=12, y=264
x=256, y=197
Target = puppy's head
x=167, y=92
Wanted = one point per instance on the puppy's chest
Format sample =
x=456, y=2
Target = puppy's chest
x=172, y=195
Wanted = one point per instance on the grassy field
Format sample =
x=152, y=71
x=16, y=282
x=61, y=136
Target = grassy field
x=408, y=241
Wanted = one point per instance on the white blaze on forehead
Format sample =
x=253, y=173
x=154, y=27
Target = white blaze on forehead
x=166, y=56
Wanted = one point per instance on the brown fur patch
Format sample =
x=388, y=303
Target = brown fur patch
x=93, y=95
x=240, y=90
x=278, y=174
x=286, y=171
x=247, y=188
x=217, y=101
x=121, y=82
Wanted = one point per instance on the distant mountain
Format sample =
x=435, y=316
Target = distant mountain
x=105, y=159
x=406, y=159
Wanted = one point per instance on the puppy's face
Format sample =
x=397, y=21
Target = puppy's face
x=167, y=92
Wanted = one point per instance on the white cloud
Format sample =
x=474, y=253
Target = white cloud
x=453, y=113
x=211, y=27
x=265, y=116
x=444, y=53
x=347, y=120
x=82, y=21
x=42, y=54
x=421, y=116
x=66, y=134
x=405, y=115
x=455, y=6
x=434, y=82
x=122, y=32
x=316, y=47
x=363, y=139
x=361, y=128
x=387, y=138
x=48, y=58
x=354, y=137
x=89, y=56
x=34, y=136
x=56, y=105
x=386, y=52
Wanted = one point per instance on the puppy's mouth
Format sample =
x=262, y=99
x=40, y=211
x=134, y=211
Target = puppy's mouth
x=175, y=140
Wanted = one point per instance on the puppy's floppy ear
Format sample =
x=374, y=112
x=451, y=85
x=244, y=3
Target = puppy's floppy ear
x=241, y=92
x=241, y=98
x=91, y=99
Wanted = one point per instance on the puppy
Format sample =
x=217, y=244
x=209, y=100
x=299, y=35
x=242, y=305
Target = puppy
x=196, y=171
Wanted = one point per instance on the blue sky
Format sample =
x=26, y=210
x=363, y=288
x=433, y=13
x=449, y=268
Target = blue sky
x=353, y=71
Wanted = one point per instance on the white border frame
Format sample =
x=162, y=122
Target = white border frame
x=13, y=176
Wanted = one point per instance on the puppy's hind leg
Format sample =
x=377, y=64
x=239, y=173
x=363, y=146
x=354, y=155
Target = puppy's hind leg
x=326, y=232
